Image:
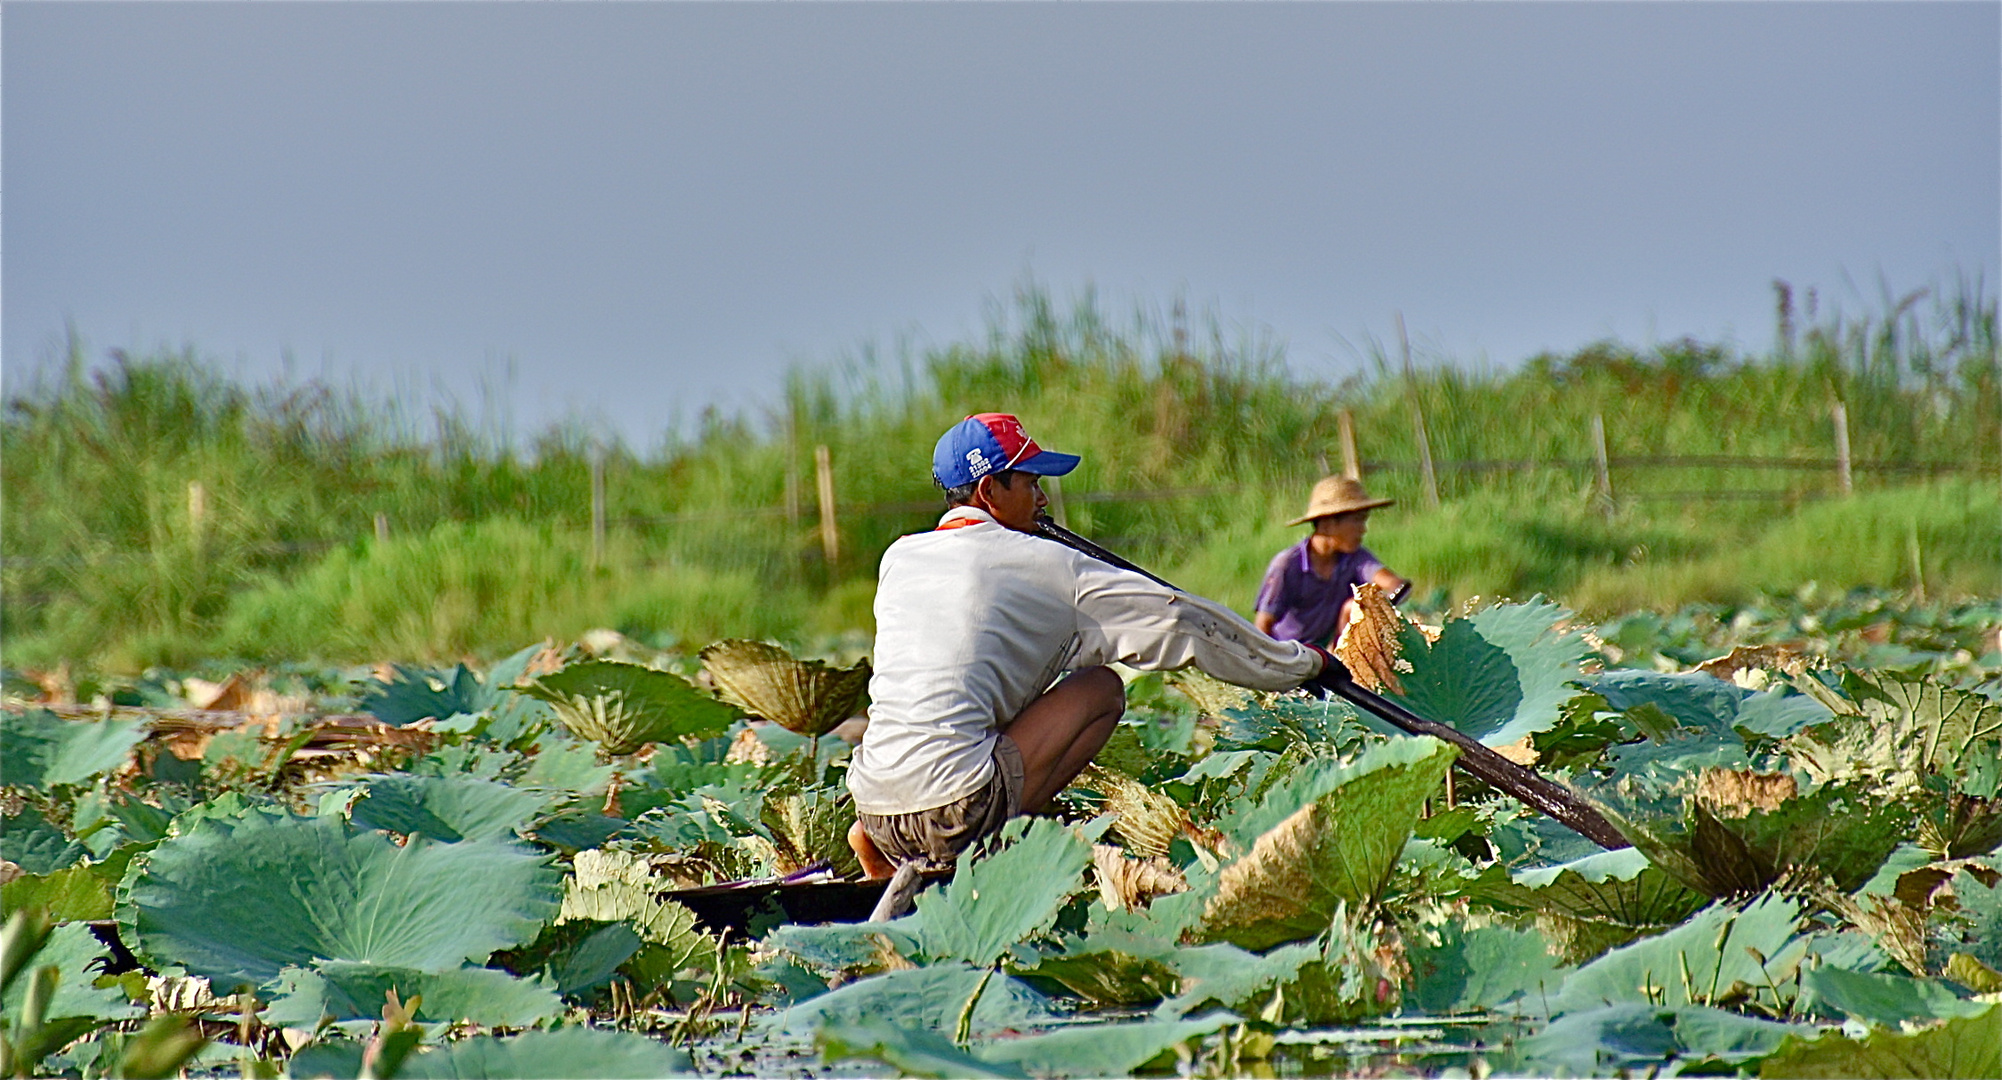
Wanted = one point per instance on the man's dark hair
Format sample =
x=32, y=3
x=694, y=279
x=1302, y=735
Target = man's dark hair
x=963, y=494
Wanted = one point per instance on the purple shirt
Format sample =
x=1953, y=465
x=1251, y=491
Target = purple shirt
x=1305, y=605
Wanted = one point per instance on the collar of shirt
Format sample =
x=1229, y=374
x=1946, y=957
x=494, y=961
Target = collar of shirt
x=960, y=517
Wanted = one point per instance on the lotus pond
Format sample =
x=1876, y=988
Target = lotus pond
x=498, y=873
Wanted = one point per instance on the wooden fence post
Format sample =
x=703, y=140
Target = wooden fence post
x=830, y=535
x=1426, y=472
x=597, y=508
x=1053, y=487
x=1351, y=464
x=1844, y=481
x=792, y=467
x=1603, y=481
x=381, y=527
x=198, y=510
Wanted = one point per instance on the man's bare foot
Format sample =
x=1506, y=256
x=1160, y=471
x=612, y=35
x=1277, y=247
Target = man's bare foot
x=874, y=866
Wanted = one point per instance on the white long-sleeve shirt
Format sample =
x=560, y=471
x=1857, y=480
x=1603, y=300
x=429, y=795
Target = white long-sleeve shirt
x=974, y=622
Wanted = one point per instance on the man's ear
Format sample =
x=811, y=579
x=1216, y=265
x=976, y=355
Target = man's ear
x=983, y=491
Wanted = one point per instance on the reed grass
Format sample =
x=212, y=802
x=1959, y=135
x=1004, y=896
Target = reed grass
x=488, y=545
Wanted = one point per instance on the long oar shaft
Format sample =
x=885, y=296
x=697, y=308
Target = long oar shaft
x=1476, y=759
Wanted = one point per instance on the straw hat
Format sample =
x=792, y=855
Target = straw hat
x=1337, y=495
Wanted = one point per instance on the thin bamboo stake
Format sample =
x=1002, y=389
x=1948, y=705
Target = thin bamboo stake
x=198, y=510
x=381, y=528
x=830, y=533
x=1603, y=480
x=597, y=509
x=1053, y=487
x=1351, y=463
x=1843, y=478
x=1426, y=471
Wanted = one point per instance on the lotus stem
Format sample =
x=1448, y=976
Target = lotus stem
x=963, y=1030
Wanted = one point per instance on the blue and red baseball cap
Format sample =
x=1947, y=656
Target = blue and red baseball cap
x=988, y=443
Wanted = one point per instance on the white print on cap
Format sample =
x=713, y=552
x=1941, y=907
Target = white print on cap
x=977, y=462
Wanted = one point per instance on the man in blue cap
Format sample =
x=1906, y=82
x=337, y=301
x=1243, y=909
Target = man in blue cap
x=992, y=689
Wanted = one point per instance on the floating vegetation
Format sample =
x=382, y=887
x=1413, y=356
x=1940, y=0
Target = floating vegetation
x=602, y=870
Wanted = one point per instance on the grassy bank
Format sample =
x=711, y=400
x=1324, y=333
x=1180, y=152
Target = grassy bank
x=111, y=559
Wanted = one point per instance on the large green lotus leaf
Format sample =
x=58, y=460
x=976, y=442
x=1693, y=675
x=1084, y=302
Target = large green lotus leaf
x=1481, y=968
x=448, y=808
x=30, y=842
x=622, y=707
x=1969, y=1046
x=1339, y=848
x=1977, y=926
x=920, y=1052
x=1619, y=887
x=566, y=765
x=38, y=749
x=927, y=997
x=995, y=901
x=1679, y=753
x=620, y=887
x=1109, y=976
x=79, y=892
x=1909, y=728
x=533, y=1055
x=1637, y=1038
x=594, y=960
x=239, y=899
x=412, y=694
x=847, y=946
x=1697, y=700
x=301, y=997
x=1226, y=975
x=1499, y=674
x=1715, y=948
x=1099, y=1049
x=1881, y=998
x=76, y=954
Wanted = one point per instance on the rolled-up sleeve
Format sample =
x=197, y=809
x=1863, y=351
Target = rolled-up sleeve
x=1125, y=618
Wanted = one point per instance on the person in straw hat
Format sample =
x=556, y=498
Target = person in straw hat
x=1307, y=593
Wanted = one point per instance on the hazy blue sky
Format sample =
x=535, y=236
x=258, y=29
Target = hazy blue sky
x=652, y=207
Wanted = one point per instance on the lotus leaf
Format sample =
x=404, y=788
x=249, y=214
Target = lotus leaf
x=1618, y=887
x=927, y=997
x=1708, y=704
x=1481, y=968
x=1226, y=975
x=78, y=892
x=594, y=960
x=616, y=886
x=1099, y=1049
x=996, y=901
x=1109, y=977
x=412, y=694
x=1879, y=998
x=622, y=707
x=1498, y=674
x=809, y=827
x=804, y=696
x=1977, y=925
x=1338, y=848
x=30, y=842
x=451, y=808
x=78, y=958
x=40, y=750
x=567, y=766
x=1733, y=833
x=1968, y=1046
x=533, y=1055
x=920, y=1052
x=239, y=899
x=851, y=947
x=301, y=997
x=1697, y=963
x=1638, y=1038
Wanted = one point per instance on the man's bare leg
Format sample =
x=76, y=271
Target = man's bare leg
x=1060, y=732
x=874, y=866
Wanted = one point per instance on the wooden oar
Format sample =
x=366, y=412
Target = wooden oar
x=1475, y=758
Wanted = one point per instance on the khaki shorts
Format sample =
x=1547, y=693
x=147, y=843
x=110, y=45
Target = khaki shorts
x=938, y=835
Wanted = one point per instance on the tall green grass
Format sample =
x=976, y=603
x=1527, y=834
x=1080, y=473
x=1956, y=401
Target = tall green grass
x=488, y=545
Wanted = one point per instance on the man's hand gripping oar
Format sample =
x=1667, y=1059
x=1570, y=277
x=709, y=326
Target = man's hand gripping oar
x=1475, y=758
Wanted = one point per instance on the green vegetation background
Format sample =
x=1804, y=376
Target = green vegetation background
x=490, y=545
